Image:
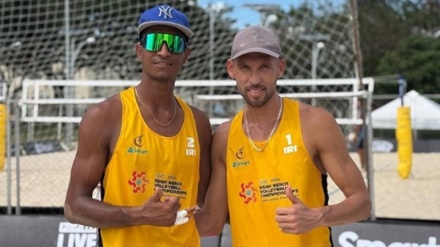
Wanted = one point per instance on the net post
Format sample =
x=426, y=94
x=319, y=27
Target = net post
x=3, y=123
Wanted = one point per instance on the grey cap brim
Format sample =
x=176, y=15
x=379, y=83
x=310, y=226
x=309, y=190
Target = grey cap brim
x=257, y=50
x=184, y=30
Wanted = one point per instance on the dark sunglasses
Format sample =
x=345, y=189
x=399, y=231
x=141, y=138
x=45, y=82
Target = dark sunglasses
x=154, y=41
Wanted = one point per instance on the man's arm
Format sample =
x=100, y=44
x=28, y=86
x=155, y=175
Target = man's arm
x=97, y=128
x=326, y=145
x=211, y=219
x=204, y=132
x=334, y=156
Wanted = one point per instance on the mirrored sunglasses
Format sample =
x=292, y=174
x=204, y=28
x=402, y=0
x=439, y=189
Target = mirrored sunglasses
x=175, y=43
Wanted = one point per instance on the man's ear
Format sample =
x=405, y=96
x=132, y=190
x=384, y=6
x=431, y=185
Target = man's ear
x=282, y=68
x=138, y=49
x=229, y=68
x=186, y=56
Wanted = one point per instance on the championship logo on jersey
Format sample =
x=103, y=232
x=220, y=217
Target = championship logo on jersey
x=248, y=192
x=138, y=181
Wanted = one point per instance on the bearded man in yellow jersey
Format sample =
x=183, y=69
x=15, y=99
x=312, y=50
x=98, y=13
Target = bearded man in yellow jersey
x=271, y=161
x=147, y=148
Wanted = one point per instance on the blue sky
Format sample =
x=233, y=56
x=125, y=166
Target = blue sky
x=245, y=15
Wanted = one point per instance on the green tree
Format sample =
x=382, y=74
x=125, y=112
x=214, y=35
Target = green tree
x=387, y=28
x=381, y=27
x=417, y=58
x=422, y=16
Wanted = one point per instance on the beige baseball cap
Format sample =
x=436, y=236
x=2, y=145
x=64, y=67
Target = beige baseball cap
x=255, y=39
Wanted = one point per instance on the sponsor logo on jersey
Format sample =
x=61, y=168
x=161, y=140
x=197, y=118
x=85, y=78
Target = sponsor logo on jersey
x=133, y=150
x=138, y=140
x=240, y=163
x=240, y=155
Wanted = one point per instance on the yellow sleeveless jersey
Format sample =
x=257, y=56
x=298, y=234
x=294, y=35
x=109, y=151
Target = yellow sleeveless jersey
x=142, y=160
x=256, y=184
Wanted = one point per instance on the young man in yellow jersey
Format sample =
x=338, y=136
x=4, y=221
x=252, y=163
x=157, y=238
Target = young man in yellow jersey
x=271, y=161
x=147, y=148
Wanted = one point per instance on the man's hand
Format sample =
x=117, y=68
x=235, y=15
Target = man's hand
x=159, y=210
x=192, y=210
x=296, y=219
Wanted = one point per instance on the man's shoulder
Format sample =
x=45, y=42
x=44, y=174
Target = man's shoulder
x=223, y=128
x=106, y=108
x=110, y=102
x=198, y=114
x=315, y=116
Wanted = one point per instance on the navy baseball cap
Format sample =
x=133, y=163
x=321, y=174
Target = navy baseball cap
x=164, y=15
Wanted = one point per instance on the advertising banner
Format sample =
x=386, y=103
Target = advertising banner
x=55, y=231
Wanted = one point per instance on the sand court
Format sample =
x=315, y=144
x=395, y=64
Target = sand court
x=44, y=179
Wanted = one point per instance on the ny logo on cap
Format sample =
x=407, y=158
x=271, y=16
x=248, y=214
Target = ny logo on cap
x=166, y=11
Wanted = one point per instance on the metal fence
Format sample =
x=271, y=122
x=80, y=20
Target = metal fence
x=41, y=136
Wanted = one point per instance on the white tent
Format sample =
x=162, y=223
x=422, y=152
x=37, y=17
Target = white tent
x=425, y=113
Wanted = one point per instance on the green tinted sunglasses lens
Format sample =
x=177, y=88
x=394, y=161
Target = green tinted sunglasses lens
x=174, y=43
